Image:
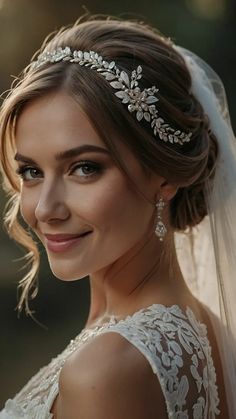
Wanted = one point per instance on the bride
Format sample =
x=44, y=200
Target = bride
x=117, y=150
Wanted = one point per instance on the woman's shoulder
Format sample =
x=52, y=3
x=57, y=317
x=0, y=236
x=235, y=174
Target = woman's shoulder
x=110, y=375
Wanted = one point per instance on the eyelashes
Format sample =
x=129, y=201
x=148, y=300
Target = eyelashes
x=86, y=166
x=83, y=169
x=23, y=170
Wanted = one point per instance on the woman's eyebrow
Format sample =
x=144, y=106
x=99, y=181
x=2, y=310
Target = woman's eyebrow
x=67, y=154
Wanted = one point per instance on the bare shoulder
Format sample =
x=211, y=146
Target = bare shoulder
x=109, y=377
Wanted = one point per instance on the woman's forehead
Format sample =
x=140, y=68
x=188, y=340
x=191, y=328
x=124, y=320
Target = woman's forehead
x=55, y=117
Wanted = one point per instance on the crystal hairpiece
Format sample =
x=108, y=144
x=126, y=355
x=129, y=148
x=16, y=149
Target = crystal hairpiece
x=128, y=90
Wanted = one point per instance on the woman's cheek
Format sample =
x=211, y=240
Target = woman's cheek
x=99, y=201
x=28, y=203
x=111, y=207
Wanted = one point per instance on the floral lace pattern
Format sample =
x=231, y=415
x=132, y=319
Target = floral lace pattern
x=174, y=343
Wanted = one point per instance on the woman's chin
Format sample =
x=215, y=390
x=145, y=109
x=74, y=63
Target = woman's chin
x=65, y=275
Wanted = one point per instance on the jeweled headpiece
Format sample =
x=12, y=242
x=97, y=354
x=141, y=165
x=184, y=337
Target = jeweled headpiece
x=140, y=101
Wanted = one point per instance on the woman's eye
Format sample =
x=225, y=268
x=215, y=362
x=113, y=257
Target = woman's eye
x=85, y=169
x=29, y=173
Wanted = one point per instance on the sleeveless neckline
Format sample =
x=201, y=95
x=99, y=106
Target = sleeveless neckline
x=114, y=320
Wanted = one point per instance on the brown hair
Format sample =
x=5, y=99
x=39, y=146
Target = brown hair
x=129, y=44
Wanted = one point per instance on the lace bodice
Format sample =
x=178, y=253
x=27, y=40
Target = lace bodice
x=174, y=343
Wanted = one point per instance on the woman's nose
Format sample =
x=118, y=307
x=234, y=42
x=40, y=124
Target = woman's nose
x=51, y=205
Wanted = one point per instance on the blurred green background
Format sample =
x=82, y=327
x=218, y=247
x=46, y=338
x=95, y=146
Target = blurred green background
x=208, y=28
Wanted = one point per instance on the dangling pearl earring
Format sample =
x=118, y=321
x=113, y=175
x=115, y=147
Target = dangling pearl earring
x=160, y=226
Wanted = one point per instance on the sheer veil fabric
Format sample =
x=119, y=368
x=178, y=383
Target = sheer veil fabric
x=209, y=257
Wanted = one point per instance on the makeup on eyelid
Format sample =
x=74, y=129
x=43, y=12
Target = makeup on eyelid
x=97, y=169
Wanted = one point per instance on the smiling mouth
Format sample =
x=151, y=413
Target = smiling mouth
x=63, y=237
x=60, y=243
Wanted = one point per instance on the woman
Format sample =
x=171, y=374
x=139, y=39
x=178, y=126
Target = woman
x=109, y=155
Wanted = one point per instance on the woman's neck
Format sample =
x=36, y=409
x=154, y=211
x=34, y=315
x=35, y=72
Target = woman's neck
x=147, y=274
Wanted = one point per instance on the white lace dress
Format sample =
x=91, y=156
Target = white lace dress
x=174, y=343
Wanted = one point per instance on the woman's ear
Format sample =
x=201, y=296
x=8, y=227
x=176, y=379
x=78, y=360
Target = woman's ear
x=167, y=190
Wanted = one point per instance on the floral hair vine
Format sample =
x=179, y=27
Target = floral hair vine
x=140, y=101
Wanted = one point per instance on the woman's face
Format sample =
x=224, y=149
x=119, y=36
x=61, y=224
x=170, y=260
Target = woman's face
x=71, y=186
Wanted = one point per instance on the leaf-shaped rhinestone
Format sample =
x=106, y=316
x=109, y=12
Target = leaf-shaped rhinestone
x=116, y=84
x=124, y=77
x=109, y=76
x=139, y=115
x=112, y=65
x=147, y=116
x=151, y=99
x=123, y=95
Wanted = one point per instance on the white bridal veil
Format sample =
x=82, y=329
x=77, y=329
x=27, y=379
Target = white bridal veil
x=213, y=268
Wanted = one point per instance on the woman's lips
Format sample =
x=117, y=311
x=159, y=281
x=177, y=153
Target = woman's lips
x=58, y=243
